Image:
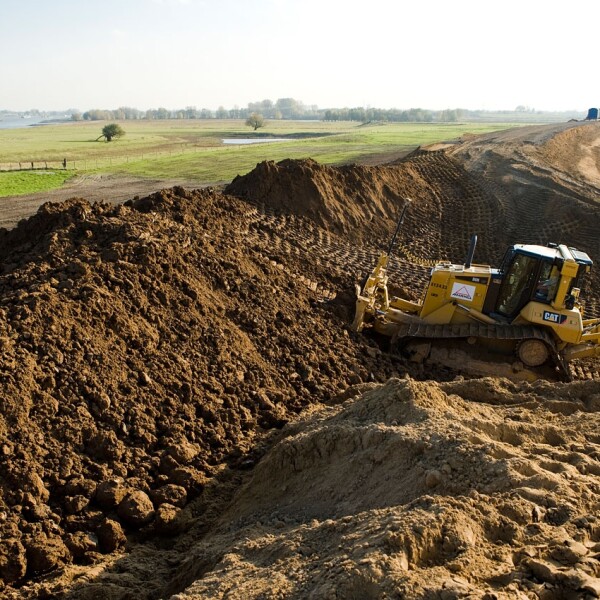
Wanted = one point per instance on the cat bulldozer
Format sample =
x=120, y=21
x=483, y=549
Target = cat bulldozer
x=523, y=320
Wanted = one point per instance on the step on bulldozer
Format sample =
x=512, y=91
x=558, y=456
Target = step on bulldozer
x=523, y=320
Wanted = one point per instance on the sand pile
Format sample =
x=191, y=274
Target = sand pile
x=479, y=489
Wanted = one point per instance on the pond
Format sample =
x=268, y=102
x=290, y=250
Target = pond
x=242, y=141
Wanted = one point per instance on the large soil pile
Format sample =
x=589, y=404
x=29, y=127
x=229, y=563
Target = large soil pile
x=143, y=346
x=472, y=489
x=363, y=203
x=152, y=352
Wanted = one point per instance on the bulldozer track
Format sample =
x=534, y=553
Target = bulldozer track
x=478, y=330
x=281, y=237
x=579, y=370
x=305, y=238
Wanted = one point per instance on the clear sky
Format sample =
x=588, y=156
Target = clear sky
x=432, y=54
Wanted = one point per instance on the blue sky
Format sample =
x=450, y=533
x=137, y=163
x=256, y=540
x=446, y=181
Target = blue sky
x=385, y=53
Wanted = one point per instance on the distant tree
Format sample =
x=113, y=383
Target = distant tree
x=331, y=115
x=450, y=116
x=129, y=112
x=112, y=131
x=255, y=120
x=289, y=108
x=98, y=115
x=191, y=112
x=357, y=114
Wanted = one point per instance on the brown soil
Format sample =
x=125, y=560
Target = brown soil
x=154, y=352
x=113, y=189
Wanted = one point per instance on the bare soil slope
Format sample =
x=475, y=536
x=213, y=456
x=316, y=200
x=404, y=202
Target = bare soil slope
x=153, y=351
x=471, y=489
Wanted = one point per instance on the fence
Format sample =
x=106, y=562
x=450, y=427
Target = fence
x=39, y=165
x=94, y=163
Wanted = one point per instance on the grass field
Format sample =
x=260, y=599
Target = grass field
x=27, y=182
x=194, y=150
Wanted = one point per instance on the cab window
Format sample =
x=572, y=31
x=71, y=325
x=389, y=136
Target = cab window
x=547, y=283
x=517, y=284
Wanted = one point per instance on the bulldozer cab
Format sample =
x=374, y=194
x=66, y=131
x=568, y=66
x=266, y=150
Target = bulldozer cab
x=535, y=273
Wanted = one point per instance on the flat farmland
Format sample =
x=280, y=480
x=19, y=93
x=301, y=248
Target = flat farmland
x=194, y=150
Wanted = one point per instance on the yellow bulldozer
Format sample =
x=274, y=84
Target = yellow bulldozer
x=523, y=320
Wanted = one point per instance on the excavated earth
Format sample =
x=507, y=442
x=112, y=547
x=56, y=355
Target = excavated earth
x=184, y=411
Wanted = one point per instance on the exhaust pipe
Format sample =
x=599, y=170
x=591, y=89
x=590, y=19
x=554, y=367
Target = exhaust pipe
x=471, y=251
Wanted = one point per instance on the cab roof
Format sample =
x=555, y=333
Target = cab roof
x=552, y=253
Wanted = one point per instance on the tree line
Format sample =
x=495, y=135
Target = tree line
x=283, y=108
x=290, y=108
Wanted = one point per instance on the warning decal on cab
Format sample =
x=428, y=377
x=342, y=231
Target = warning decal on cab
x=461, y=291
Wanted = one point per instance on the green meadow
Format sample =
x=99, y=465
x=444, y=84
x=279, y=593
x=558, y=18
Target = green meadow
x=194, y=149
x=16, y=183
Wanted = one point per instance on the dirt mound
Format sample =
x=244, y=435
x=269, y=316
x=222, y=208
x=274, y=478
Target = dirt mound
x=584, y=164
x=362, y=204
x=143, y=347
x=467, y=489
x=356, y=201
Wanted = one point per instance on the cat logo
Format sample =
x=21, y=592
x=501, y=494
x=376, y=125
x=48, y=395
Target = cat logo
x=554, y=317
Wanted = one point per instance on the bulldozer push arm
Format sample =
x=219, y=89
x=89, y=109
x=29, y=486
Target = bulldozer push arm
x=372, y=297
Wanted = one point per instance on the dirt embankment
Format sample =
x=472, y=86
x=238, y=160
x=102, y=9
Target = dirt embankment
x=151, y=350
